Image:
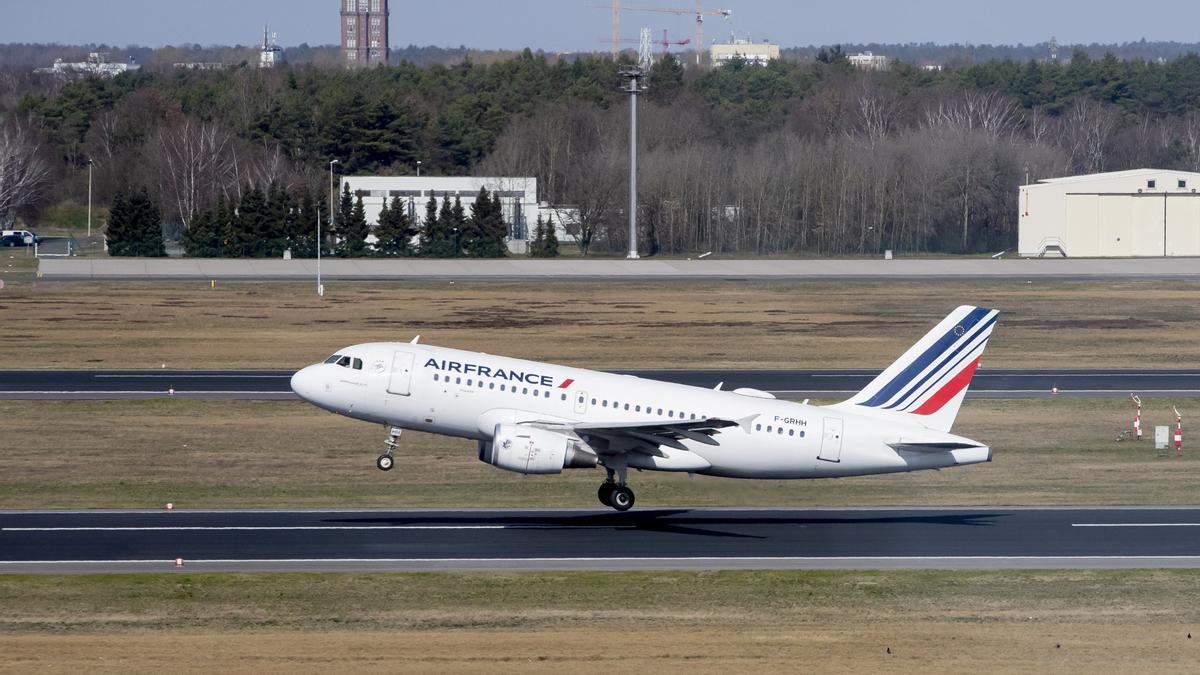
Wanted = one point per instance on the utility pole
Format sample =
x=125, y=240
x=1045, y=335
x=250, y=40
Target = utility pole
x=634, y=75
x=90, y=165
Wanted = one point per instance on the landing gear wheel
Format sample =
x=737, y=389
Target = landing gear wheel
x=605, y=493
x=385, y=462
x=621, y=499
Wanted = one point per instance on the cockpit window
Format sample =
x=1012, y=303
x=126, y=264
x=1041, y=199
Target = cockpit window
x=333, y=359
x=344, y=362
x=358, y=364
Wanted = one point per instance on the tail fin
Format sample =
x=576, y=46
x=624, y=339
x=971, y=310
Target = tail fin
x=927, y=384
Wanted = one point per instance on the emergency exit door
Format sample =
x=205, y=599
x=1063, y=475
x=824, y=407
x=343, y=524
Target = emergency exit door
x=400, y=381
x=831, y=440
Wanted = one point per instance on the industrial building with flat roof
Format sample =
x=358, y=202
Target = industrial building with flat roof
x=760, y=53
x=1137, y=213
x=518, y=199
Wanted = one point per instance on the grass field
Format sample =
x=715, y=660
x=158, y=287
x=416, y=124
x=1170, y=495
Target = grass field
x=930, y=621
x=200, y=454
x=760, y=325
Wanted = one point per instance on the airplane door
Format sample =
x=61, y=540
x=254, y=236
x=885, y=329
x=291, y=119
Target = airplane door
x=831, y=440
x=580, y=402
x=400, y=381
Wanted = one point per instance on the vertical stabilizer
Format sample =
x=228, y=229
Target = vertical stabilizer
x=928, y=383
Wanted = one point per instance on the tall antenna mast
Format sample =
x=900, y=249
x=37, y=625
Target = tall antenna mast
x=646, y=50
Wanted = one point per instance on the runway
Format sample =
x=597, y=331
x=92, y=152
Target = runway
x=647, y=539
x=785, y=383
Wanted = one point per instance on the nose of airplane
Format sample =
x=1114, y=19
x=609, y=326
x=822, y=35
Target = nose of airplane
x=304, y=383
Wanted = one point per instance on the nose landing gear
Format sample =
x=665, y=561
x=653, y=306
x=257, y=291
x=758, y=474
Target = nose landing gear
x=616, y=494
x=387, y=460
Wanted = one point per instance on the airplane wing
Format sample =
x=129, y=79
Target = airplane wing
x=649, y=437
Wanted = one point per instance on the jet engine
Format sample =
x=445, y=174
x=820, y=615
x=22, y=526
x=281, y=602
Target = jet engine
x=530, y=450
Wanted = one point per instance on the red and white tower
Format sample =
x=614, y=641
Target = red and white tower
x=364, y=31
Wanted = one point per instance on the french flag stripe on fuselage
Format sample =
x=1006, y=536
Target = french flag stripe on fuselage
x=953, y=360
x=918, y=366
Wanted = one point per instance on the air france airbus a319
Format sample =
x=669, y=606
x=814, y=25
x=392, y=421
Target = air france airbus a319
x=538, y=418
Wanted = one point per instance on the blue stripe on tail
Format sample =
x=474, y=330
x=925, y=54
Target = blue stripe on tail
x=917, y=366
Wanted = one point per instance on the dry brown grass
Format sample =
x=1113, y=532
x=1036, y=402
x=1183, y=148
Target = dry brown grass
x=793, y=324
x=69, y=454
x=931, y=621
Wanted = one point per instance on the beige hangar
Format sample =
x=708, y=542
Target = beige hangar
x=1137, y=213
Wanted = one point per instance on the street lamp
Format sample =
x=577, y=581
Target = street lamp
x=634, y=75
x=90, y=165
x=418, y=168
x=321, y=288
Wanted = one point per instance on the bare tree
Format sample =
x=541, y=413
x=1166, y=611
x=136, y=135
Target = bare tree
x=197, y=162
x=1086, y=129
x=23, y=175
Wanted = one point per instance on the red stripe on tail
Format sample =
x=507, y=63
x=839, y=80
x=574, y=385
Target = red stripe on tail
x=960, y=382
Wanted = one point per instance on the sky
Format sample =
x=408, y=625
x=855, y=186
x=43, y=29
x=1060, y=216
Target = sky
x=585, y=25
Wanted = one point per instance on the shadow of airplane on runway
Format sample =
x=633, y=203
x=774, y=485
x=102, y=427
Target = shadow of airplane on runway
x=676, y=521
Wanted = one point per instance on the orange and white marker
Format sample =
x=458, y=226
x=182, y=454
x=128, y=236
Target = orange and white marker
x=1178, y=433
x=1137, y=418
x=179, y=562
x=1054, y=391
x=170, y=506
x=171, y=391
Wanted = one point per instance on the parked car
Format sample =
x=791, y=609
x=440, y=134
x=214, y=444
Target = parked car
x=18, y=238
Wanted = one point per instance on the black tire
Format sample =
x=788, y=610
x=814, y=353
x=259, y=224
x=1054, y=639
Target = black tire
x=385, y=462
x=604, y=494
x=622, y=498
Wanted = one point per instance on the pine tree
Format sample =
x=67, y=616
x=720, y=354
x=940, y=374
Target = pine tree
x=458, y=225
x=474, y=239
x=537, y=247
x=353, y=232
x=395, y=231
x=302, y=238
x=429, y=227
x=120, y=222
x=251, y=229
x=203, y=238
x=226, y=226
x=135, y=226
x=275, y=223
x=549, y=240
x=345, y=213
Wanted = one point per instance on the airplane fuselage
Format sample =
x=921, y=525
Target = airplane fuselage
x=467, y=394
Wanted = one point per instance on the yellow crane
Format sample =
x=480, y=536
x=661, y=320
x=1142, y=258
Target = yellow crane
x=699, y=12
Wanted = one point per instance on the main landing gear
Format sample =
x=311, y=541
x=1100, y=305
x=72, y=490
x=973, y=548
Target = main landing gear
x=616, y=494
x=387, y=460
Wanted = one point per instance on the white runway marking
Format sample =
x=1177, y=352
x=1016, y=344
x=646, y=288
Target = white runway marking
x=1135, y=524
x=700, y=559
x=195, y=376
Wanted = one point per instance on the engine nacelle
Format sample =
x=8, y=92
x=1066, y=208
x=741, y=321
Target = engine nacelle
x=530, y=450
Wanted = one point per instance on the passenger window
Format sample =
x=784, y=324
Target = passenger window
x=660, y=411
x=758, y=427
x=781, y=431
x=627, y=406
x=491, y=385
x=502, y=387
x=525, y=390
x=593, y=401
x=564, y=396
x=801, y=433
x=435, y=377
x=548, y=395
x=639, y=408
x=458, y=380
x=606, y=403
x=791, y=432
x=358, y=364
x=670, y=413
x=469, y=382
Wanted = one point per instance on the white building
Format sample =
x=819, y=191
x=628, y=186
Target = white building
x=869, y=61
x=271, y=54
x=1142, y=212
x=97, y=64
x=759, y=54
x=518, y=199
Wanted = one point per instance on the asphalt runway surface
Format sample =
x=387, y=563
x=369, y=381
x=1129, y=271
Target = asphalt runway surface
x=792, y=384
x=650, y=538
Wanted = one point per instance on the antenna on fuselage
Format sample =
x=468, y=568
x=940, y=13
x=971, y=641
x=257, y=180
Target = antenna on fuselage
x=718, y=387
x=415, y=340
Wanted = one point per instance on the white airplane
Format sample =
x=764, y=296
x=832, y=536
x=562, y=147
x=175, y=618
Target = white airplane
x=538, y=418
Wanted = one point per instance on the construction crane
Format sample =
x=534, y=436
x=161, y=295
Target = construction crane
x=666, y=43
x=699, y=12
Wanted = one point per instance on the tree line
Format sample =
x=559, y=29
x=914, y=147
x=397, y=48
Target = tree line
x=266, y=223
x=795, y=157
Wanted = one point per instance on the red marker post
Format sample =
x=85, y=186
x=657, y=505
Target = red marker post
x=1137, y=418
x=1178, y=433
